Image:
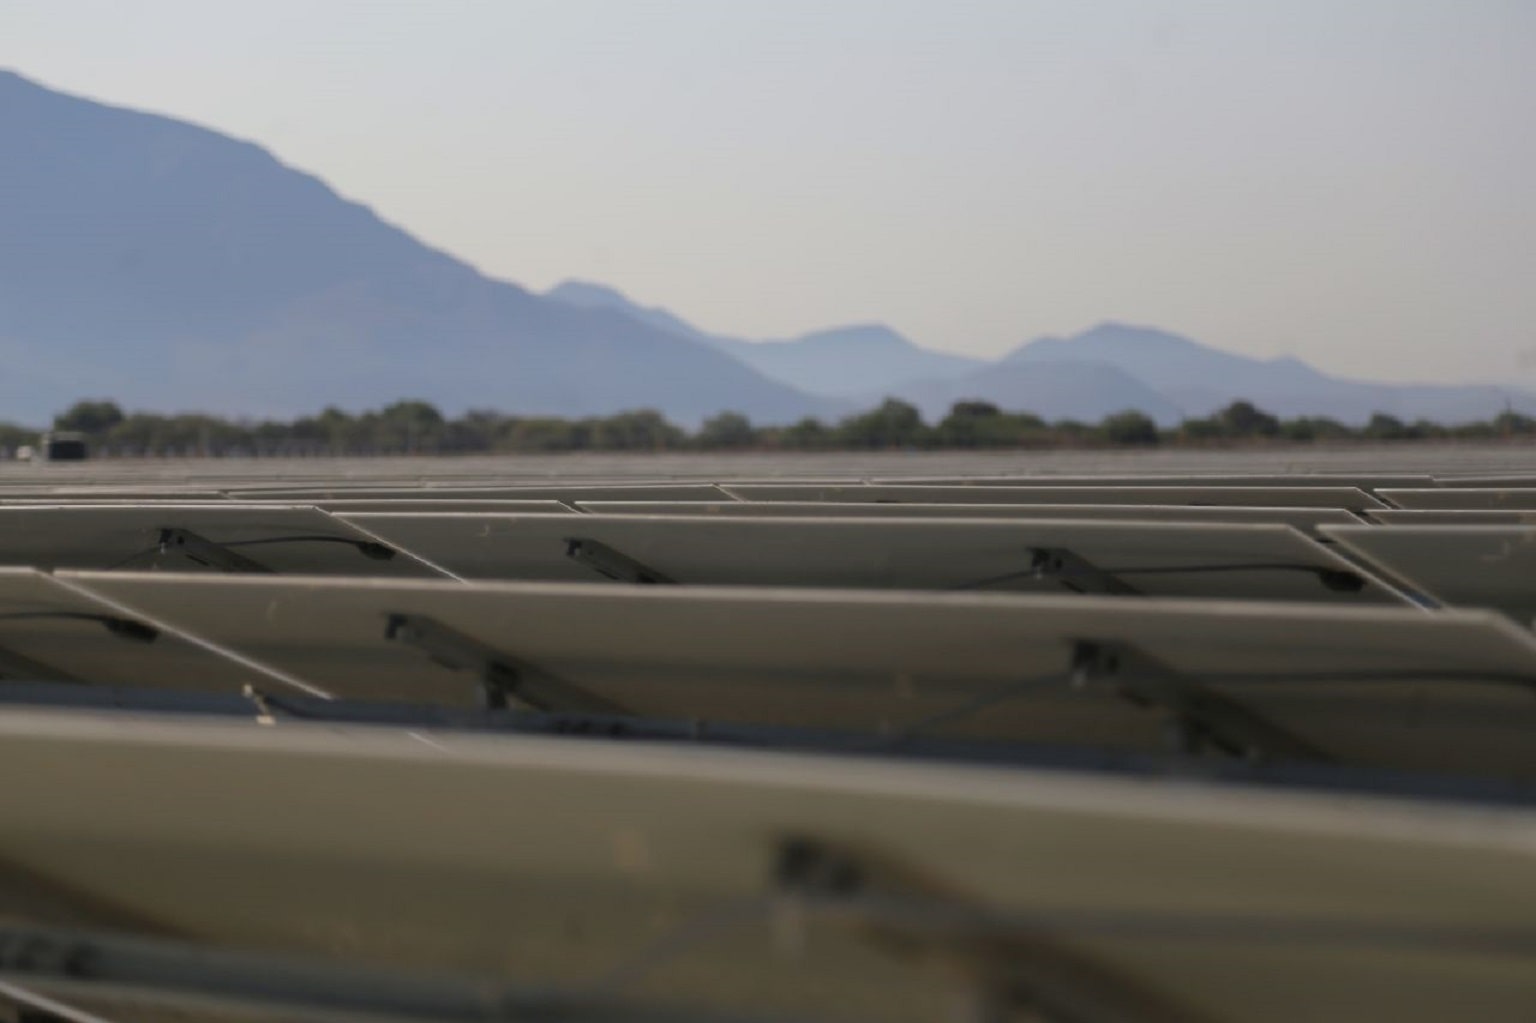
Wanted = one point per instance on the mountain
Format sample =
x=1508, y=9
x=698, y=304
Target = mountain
x=1106, y=369
x=601, y=296
x=840, y=362
x=171, y=267
x=1085, y=391
x=1178, y=367
x=849, y=361
x=1199, y=379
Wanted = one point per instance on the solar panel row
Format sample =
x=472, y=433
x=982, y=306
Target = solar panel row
x=1174, y=748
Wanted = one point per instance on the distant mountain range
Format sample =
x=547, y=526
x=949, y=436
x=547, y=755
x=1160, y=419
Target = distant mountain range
x=1107, y=369
x=1198, y=379
x=173, y=268
x=843, y=362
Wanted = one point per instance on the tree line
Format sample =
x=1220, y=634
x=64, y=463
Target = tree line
x=417, y=427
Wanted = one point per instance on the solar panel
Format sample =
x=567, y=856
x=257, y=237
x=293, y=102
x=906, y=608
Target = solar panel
x=1256, y=562
x=198, y=537
x=1450, y=517
x=1461, y=566
x=405, y=504
x=1381, y=687
x=50, y=632
x=794, y=885
x=1305, y=519
x=158, y=497
x=1362, y=481
x=1486, y=481
x=565, y=492
x=1348, y=498
x=103, y=491
x=754, y=782
x=1492, y=499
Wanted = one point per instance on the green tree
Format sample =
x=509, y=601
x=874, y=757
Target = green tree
x=409, y=426
x=1201, y=431
x=1307, y=429
x=1071, y=431
x=807, y=435
x=145, y=433
x=1242, y=419
x=640, y=430
x=1423, y=429
x=728, y=430
x=1475, y=431
x=969, y=424
x=1129, y=428
x=974, y=409
x=13, y=436
x=419, y=426
x=547, y=434
x=270, y=437
x=981, y=424
x=1512, y=424
x=1384, y=427
x=475, y=430
x=895, y=424
x=92, y=418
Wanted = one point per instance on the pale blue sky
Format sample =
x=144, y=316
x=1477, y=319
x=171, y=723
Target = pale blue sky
x=1353, y=182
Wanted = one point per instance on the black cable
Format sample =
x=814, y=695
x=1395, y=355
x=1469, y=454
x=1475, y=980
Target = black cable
x=367, y=548
x=127, y=628
x=1337, y=579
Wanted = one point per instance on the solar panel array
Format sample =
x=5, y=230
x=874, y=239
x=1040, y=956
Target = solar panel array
x=1246, y=747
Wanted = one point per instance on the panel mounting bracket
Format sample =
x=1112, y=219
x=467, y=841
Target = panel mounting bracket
x=42, y=965
x=1080, y=575
x=221, y=555
x=174, y=539
x=503, y=677
x=1008, y=973
x=612, y=563
x=1199, y=718
x=1076, y=572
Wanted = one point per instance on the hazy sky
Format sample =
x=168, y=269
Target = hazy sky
x=1350, y=181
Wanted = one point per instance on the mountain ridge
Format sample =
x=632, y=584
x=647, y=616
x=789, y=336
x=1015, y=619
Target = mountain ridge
x=220, y=277
x=1168, y=376
x=169, y=265
x=1199, y=379
x=838, y=362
